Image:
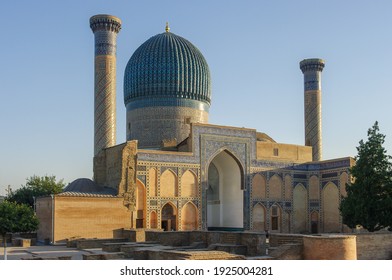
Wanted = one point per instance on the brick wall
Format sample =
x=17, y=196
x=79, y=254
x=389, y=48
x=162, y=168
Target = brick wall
x=44, y=214
x=330, y=247
x=374, y=246
x=89, y=217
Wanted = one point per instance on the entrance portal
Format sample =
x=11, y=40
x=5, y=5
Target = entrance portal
x=314, y=222
x=225, y=193
x=168, y=218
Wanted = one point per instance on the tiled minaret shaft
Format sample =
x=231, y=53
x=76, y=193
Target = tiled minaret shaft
x=105, y=29
x=312, y=68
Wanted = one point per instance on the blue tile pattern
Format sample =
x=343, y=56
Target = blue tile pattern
x=167, y=67
x=171, y=102
x=105, y=42
x=312, y=81
x=105, y=29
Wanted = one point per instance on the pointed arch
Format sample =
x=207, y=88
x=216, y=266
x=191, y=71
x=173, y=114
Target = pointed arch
x=314, y=188
x=330, y=206
x=300, y=209
x=227, y=210
x=169, y=217
x=189, y=217
x=234, y=157
x=189, y=184
x=153, y=219
x=140, y=204
x=153, y=181
x=258, y=186
x=275, y=187
x=168, y=184
x=276, y=218
x=259, y=220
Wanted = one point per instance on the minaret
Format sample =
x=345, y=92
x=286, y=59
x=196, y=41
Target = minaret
x=311, y=68
x=105, y=29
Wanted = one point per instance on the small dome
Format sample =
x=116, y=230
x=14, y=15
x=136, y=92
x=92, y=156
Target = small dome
x=167, y=67
x=84, y=185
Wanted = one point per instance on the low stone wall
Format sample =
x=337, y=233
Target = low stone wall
x=22, y=242
x=114, y=247
x=198, y=236
x=374, y=246
x=191, y=255
x=223, y=237
x=254, y=242
x=48, y=258
x=330, y=247
x=137, y=250
x=104, y=256
x=288, y=252
x=169, y=238
x=97, y=243
x=277, y=239
x=139, y=235
x=368, y=246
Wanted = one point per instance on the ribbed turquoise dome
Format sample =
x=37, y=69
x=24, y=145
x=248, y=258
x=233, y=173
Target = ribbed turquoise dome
x=167, y=70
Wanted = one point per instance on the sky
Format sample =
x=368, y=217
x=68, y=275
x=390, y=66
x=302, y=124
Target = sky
x=253, y=49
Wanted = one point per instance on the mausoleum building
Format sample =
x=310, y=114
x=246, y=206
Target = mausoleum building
x=178, y=172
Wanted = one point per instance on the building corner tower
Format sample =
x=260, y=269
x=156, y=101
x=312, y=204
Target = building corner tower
x=312, y=68
x=105, y=29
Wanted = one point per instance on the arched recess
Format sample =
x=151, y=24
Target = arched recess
x=259, y=217
x=189, y=185
x=258, y=186
x=343, y=182
x=153, y=219
x=314, y=222
x=153, y=182
x=314, y=188
x=276, y=218
x=227, y=210
x=330, y=206
x=140, y=205
x=169, y=217
x=275, y=187
x=300, y=209
x=288, y=188
x=189, y=217
x=168, y=184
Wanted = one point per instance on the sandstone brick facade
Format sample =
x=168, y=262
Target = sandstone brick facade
x=330, y=247
x=290, y=194
x=64, y=217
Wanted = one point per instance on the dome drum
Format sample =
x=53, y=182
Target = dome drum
x=153, y=125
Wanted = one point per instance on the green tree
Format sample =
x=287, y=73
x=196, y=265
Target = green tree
x=368, y=201
x=16, y=218
x=36, y=186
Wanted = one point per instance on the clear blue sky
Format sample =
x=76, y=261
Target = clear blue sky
x=253, y=49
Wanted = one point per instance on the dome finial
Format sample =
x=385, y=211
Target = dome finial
x=167, y=27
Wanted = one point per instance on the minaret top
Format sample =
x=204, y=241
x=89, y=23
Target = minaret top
x=105, y=22
x=312, y=64
x=167, y=28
